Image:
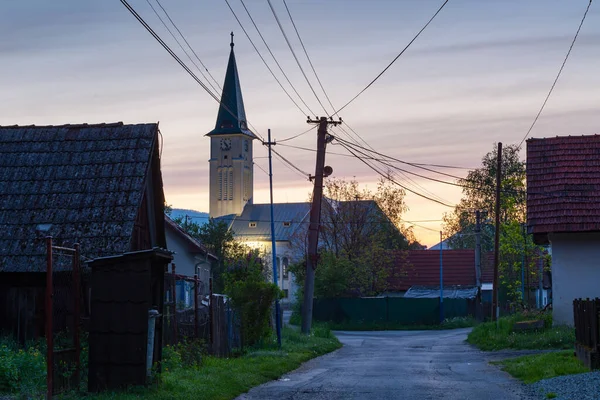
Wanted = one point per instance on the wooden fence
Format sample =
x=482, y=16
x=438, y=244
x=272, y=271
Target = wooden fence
x=587, y=333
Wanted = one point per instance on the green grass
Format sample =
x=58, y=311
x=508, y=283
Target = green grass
x=220, y=378
x=530, y=369
x=488, y=337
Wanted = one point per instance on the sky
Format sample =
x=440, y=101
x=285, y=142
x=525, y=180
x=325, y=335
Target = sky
x=476, y=76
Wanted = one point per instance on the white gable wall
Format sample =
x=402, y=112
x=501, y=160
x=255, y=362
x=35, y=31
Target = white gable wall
x=575, y=272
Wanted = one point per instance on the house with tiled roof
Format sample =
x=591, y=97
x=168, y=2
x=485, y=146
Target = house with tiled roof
x=563, y=209
x=96, y=185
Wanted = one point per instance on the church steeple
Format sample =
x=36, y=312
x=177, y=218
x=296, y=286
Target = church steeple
x=231, y=163
x=231, y=118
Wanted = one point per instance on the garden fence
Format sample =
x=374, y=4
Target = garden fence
x=186, y=313
x=586, y=314
x=63, y=318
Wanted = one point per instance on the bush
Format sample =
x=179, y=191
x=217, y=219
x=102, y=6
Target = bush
x=251, y=296
x=21, y=370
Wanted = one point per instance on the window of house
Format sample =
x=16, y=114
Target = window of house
x=285, y=293
x=252, y=224
x=285, y=267
x=279, y=268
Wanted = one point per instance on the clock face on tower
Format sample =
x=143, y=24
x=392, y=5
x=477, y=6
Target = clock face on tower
x=225, y=144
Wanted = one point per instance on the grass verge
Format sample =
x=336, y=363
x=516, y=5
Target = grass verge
x=488, y=337
x=530, y=369
x=221, y=379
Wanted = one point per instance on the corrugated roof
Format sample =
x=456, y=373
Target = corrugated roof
x=77, y=183
x=422, y=268
x=563, y=184
x=255, y=221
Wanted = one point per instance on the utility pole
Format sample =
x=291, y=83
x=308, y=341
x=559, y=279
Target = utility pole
x=315, y=219
x=273, y=249
x=495, y=305
x=441, y=280
x=523, y=265
x=478, y=262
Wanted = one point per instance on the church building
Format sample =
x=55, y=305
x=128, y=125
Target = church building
x=232, y=185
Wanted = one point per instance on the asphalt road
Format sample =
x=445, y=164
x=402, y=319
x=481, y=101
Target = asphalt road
x=397, y=365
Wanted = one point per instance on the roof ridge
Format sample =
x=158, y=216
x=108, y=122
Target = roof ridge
x=83, y=125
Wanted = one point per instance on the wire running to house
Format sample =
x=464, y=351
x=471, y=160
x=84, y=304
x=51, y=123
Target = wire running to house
x=393, y=61
x=188, y=44
x=287, y=40
x=557, y=76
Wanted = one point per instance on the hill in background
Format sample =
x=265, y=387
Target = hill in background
x=198, y=217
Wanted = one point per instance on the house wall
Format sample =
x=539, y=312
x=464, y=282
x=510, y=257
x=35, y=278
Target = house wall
x=187, y=262
x=575, y=272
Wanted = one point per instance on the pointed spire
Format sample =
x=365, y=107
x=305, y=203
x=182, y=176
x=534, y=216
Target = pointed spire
x=231, y=118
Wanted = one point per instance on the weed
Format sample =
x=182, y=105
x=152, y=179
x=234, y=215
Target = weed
x=530, y=369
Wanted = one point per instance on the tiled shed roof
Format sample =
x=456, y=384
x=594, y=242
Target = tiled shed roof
x=422, y=268
x=77, y=183
x=563, y=184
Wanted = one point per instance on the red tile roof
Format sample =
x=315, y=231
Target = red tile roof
x=563, y=184
x=422, y=268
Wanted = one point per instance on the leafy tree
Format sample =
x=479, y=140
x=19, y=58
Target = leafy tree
x=479, y=193
x=519, y=257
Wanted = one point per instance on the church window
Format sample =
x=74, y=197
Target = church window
x=225, y=185
x=220, y=185
x=230, y=185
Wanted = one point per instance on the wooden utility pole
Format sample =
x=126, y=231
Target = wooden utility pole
x=315, y=219
x=495, y=305
x=478, y=308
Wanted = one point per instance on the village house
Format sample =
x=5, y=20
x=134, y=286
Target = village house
x=96, y=185
x=563, y=209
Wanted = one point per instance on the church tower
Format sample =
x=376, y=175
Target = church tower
x=231, y=165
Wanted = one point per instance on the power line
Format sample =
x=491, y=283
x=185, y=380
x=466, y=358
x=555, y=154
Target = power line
x=188, y=45
x=394, y=60
x=263, y=59
x=399, y=184
x=179, y=44
x=558, y=75
x=294, y=54
x=307, y=56
x=272, y=55
x=295, y=136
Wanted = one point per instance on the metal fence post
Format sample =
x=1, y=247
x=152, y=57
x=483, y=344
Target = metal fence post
x=49, y=320
x=76, y=312
x=174, y=288
x=196, y=290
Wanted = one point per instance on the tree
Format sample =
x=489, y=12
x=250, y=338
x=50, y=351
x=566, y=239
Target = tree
x=479, y=193
x=361, y=233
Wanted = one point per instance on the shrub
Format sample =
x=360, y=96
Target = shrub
x=251, y=296
x=22, y=370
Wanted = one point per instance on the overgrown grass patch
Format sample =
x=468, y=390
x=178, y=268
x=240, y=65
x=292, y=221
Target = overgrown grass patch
x=530, y=369
x=226, y=378
x=489, y=337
